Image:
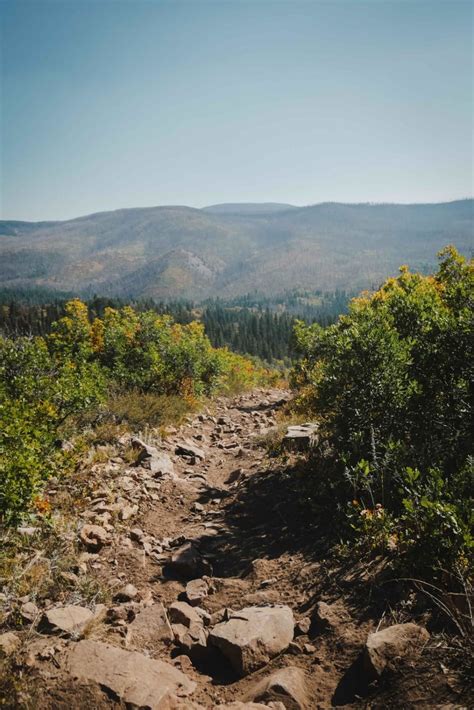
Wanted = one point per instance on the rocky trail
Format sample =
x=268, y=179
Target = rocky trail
x=220, y=595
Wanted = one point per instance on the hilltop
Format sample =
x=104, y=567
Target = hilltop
x=229, y=250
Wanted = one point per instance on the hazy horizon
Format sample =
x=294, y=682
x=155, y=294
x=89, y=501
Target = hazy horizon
x=368, y=203
x=114, y=104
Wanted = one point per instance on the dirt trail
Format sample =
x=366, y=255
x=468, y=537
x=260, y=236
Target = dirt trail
x=221, y=512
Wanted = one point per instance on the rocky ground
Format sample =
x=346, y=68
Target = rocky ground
x=198, y=583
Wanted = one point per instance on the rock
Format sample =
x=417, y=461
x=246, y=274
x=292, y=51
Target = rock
x=136, y=680
x=137, y=534
x=196, y=591
x=94, y=537
x=149, y=627
x=126, y=594
x=128, y=511
x=29, y=611
x=188, y=448
x=192, y=638
x=301, y=437
x=158, y=462
x=188, y=561
x=303, y=626
x=384, y=646
x=253, y=636
x=69, y=620
x=183, y=613
x=287, y=685
x=9, y=644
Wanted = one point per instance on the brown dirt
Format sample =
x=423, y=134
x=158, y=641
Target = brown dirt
x=264, y=548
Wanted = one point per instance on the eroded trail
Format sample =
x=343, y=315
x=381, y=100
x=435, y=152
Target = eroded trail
x=220, y=594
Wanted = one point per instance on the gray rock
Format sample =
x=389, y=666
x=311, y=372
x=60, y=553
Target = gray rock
x=287, y=685
x=135, y=679
x=385, y=646
x=253, y=636
x=69, y=620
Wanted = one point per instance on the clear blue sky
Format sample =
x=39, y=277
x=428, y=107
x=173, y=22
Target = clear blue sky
x=109, y=104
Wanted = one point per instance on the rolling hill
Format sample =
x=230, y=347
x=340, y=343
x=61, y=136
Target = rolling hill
x=232, y=249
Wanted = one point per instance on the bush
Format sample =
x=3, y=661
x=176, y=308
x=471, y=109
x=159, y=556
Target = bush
x=38, y=392
x=154, y=369
x=392, y=385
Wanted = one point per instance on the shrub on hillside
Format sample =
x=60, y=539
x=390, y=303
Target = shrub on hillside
x=391, y=383
x=38, y=392
x=154, y=370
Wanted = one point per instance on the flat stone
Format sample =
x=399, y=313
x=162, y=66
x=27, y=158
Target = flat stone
x=253, y=636
x=149, y=457
x=69, y=620
x=395, y=641
x=135, y=679
x=188, y=448
x=150, y=626
x=287, y=685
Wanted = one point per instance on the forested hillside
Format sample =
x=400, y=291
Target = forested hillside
x=167, y=253
x=254, y=324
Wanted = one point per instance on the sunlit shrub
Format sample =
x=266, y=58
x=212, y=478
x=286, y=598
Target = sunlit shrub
x=392, y=385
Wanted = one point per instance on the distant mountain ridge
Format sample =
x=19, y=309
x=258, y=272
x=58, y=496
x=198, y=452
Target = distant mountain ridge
x=231, y=249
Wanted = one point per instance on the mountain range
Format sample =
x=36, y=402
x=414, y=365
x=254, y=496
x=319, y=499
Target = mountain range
x=230, y=249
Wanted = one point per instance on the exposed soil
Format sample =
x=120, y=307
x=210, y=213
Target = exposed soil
x=261, y=547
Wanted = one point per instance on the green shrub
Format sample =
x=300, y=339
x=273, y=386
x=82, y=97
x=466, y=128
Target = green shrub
x=392, y=385
x=38, y=392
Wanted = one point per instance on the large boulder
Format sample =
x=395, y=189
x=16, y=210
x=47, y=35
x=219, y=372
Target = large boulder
x=135, y=679
x=253, y=636
x=287, y=685
x=398, y=641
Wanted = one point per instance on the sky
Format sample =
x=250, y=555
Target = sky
x=108, y=104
